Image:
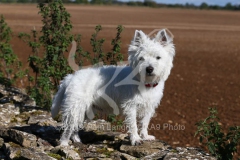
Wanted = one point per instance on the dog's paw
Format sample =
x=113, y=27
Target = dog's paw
x=135, y=141
x=64, y=143
x=75, y=138
x=148, y=138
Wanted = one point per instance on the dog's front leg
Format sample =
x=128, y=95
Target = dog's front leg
x=144, y=127
x=131, y=123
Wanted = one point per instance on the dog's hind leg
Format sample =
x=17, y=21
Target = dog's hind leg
x=75, y=137
x=57, y=100
x=72, y=118
x=67, y=134
x=65, y=137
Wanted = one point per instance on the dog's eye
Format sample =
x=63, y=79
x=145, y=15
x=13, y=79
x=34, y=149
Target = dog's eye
x=158, y=57
x=141, y=59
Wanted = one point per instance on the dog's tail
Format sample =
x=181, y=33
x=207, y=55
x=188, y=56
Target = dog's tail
x=57, y=100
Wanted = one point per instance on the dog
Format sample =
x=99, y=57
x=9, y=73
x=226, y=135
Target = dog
x=134, y=91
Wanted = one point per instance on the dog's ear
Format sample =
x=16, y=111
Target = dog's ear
x=139, y=37
x=163, y=37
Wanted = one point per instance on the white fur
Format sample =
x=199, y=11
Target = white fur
x=118, y=89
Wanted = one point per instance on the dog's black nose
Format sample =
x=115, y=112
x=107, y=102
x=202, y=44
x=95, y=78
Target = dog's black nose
x=149, y=69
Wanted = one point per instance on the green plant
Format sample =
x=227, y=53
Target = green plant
x=80, y=54
x=10, y=66
x=115, y=56
x=104, y=151
x=54, y=40
x=98, y=55
x=47, y=60
x=97, y=44
x=54, y=155
x=219, y=144
x=114, y=119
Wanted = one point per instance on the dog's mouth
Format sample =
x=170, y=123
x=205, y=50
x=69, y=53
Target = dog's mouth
x=154, y=84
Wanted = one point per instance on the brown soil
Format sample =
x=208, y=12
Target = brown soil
x=206, y=69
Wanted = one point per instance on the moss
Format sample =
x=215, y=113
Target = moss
x=14, y=145
x=36, y=113
x=78, y=151
x=104, y=151
x=174, y=151
x=56, y=156
x=23, y=116
x=14, y=120
x=58, y=118
x=18, y=154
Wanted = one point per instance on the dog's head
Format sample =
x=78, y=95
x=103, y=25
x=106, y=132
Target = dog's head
x=151, y=57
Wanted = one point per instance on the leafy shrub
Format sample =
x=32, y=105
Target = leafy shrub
x=51, y=66
x=110, y=58
x=115, y=55
x=115, y=120
x=219, y=144
x=55, y=38
x=9, y=63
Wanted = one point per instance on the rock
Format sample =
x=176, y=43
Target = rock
x=110, y=149
x=28, y=132
x=3, y=91
x=22, y=138
x=15, y=95
x=147, y=148
x=66, y=151
x=87, y=155
x=4, y=133
x=48, y=133
x=18, y=98
x=97, y=125
x=127, y=157
x=1, y=142
x=159, y=155
x=41, y=118
x=5, y=100
x=44, y=145
x=94, y=136
x=7, y=112
x=14, y=151
x=121, y=137
x=189, y=153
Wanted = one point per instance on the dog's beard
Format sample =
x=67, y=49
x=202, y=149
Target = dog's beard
x=151, y=79
x=146, y=78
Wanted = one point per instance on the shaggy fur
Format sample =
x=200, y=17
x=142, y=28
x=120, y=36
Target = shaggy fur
x=134, y=91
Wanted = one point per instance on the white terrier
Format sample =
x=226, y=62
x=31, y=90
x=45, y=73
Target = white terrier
x=134, y=91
